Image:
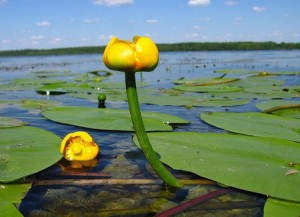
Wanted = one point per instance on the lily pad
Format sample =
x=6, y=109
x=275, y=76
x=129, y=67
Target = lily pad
x=25, y=151
x=256, y=124
x=286, y=108
x=275, y=207
x=35, y=81
x=208, y=88
x=109, y=119
x=261, y=73
x=250, y=163
x=10, y=122
x=14, y=192
x=205, y=81
x=191, y=101
x=8, y=209
x=37, y=104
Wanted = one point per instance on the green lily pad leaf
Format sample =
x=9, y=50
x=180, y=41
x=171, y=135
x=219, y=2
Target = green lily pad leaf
x=10, y=122
x=209, y=88
x=37, y=104
x=54, y=89
x=205, y=81
x=25, y=151
x=109, y=119
x=261, y=73
x=235, y=71
x=256, y=124
x=113, y=85
x=275, y=94
x=275, y=207
x=8, y=209
x=111, y=95
x=14, y=192
x=286, y=108
x=101, y=73
x=191, y=101
x=35, y=81
x=255, y=164
x=259, y=84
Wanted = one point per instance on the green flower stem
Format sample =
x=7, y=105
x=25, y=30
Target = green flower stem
x=141, y=134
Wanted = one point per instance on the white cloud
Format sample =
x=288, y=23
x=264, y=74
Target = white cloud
x=237, y=20
x=6, y=41
x=112, y=2
x=258, y=8
x=192, y=35
x=198, y=2
x=55, y=41
x=276, y=33
x=2, y=2
x=231, y=2
x=95, y=20
x=84, y=39
x=197, y=27
x=37, y=37
x=43, y=23
x=152, y=21
x=206, y=19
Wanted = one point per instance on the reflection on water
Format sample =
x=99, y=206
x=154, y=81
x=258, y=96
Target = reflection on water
x=119, y=158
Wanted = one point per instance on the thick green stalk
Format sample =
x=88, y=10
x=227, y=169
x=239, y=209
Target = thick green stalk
x=141, y=134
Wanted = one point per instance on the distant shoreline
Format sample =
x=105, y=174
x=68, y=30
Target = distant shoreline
x=184, y=46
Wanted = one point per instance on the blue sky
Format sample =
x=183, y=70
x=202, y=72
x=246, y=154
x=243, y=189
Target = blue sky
x=40, y=24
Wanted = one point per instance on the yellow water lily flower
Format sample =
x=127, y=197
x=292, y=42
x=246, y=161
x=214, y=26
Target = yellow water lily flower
x=139, y=55
x=79, y=146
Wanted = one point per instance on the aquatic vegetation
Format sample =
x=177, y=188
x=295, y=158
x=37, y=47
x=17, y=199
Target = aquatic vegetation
x=246, y=139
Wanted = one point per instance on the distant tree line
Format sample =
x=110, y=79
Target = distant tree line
x=184, y=46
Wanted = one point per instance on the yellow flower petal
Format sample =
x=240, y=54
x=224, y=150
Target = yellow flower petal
x=79, y=146
x=139, y=55
x=147, y=53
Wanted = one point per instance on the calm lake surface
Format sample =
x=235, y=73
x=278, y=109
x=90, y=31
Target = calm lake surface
x=119, y=157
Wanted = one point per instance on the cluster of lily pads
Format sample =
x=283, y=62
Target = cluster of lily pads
x=258, y=151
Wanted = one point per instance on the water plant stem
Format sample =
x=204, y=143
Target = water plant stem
x=141, y=133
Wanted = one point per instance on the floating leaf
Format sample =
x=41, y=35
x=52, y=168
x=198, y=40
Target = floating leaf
x=256, y=124
x=286, y=108
x=275, y=207
x=14, y=192
x=25, y=151
x=37, y=104
x=109, y=119
x=209, y=88
x=205, y=81
x=261, y=73
x=6, y=122
x=191, y=101
x=35, y=81
x=8, y=209
x=276, y=94
x=250, y=163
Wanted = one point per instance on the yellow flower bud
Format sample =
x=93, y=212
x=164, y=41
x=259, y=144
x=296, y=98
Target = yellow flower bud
x=139, y=55
x=79, y=146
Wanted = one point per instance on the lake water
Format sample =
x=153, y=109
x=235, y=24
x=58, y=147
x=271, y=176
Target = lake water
x=119, y=157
